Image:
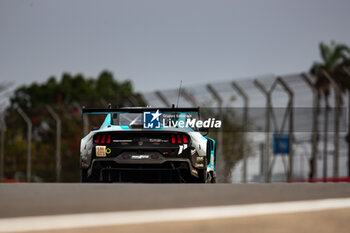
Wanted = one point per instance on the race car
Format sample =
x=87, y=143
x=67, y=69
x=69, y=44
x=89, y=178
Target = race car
x=147, y=145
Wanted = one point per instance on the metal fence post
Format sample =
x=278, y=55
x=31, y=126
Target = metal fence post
x=336, y=122
x=29, y=142
x=85, y=116
x=348, y=117
x=316, y=104
x=267, y=94
x=133, y=101
x=2, y=150
x=163, y=99
x=291, y=125
x=245, y=127
x=58, y=142
x=220, y=158
x=189, y=98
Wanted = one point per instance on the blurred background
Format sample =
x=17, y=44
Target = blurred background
x=276, y=72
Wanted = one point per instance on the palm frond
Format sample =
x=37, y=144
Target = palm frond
x=338, y=55
x=315, y=67
x=325, y=52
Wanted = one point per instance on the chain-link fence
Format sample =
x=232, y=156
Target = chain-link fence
x=285, y=131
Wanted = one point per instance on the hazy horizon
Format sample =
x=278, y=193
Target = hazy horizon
x=157, y=43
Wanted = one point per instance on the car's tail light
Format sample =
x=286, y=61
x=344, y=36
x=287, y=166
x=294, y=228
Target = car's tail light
x=185, y=139
x=108, y=139
x=97, y=140
x=179, y=141
x=103, y=139
x=173, y=139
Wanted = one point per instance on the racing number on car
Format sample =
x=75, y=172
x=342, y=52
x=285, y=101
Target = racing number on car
x=100, y=151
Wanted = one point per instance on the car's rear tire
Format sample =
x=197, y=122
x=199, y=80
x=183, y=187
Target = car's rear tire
x=202, y=176
x=212, y=178
x=205, y=177
x=85, y=178
x=83, y=175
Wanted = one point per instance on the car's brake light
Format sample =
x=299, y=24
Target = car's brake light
x=108, y=139
x=103, y=139
x=179, y=138
x=185, y=139
x=173, y=139
x=179, y=141
x=97, y=140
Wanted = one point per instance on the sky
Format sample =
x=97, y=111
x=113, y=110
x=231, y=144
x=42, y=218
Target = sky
x=157, y=43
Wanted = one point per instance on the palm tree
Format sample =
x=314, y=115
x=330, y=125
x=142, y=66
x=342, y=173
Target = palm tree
x=334, y=58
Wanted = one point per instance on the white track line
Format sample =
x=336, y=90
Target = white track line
x=69, y=221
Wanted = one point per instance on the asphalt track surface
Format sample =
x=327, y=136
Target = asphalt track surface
x=21, y=200
x=50, y=199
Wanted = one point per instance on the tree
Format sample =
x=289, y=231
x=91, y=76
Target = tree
x=334, y=58
x=70, y=89
x=66, y=96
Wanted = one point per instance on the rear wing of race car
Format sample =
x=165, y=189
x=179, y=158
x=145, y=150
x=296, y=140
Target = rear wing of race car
x=173, y=112
x=138, y=110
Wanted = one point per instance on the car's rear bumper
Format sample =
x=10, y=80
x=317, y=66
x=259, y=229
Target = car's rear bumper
x=162, y=164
